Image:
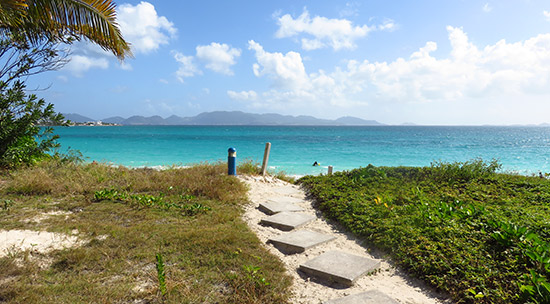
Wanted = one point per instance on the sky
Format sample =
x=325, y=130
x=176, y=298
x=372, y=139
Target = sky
x=430, y=62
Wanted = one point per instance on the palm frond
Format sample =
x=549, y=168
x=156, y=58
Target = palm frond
x=12, y=12
x=94, y=20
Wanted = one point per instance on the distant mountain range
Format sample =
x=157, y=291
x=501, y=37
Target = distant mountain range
x=229, y=118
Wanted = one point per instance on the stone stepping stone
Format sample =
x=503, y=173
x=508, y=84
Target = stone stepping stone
x=299, y=241
x=368, y=297
x=285, y=199
x=287, y=221
x=275, y=206
x=339, y=267
x=287, y=191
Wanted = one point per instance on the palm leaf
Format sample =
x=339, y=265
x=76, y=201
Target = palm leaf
x=12, y=12
x=57, y=20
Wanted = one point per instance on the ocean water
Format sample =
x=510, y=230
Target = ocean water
x=524, y=150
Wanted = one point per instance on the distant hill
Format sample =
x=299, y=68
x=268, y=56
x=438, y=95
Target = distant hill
x=237, y=118
x=77, y=117
x=354, y=121
x=141, y=120
x=114, y=120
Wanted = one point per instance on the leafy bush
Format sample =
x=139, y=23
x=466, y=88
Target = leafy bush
x=464, y=229
x=462, y=171
x=22, y=141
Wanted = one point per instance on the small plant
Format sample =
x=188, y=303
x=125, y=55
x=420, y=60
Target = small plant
x=109, y=194
x=254, y=274
x=161, y=275
x=195, y=208
x=6, y=204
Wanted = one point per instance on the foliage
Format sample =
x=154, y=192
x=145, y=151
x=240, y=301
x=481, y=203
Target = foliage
x=482, y=237
x=161, y=275
x=22, y=141
x=30, y=34
x=64, y=20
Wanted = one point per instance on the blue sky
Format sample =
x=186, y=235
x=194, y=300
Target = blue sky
x=452, y=62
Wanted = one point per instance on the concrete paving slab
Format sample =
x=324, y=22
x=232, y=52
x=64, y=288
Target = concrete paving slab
x=339, y=267
x=271, y=207
x=287, y=221
x=368, y=297
x=285, y=199
x=287, y=191
x=299, y=241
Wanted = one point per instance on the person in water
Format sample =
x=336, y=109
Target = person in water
x=315, y=164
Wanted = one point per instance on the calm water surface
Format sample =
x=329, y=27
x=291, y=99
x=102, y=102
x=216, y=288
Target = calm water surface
x=294, y=149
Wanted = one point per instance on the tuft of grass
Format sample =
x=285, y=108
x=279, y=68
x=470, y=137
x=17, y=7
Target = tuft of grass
x=249, y=167
x=481, y=236
x=126, y=227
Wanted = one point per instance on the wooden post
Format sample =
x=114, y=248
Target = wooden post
x=266, y=157
x=329, y=170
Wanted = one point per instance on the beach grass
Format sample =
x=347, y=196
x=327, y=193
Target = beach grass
x=147, y=236
x=478, y=235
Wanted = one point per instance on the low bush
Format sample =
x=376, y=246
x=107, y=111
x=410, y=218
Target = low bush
x=464, y=229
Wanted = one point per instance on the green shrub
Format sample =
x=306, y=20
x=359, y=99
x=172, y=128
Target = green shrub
x=22, y=141
x=461, y=227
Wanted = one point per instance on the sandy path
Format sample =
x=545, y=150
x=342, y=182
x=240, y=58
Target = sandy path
x=389, y=280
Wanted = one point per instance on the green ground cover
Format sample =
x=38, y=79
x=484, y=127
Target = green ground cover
x=478, y=235
x=173, y=236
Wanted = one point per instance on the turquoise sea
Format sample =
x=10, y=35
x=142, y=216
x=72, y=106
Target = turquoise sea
x=525, y=150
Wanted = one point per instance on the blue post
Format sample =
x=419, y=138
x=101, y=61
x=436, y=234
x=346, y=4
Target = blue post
x=232, y=161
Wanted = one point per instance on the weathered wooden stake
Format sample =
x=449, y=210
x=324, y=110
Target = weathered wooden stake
x=329, y=170
x=266, y=157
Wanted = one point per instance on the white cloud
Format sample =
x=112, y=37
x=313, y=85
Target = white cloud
x=140, y=25
x=335, y=33
x=291, y=85
x=388, y=25
x=218, y=57
x=85, y=56
x=546, y=14
x=243, y=95
x=80, y=64
x=187, y=67
x=143, y=28
x=287, y=71
x=487, y=8
x=469, y=74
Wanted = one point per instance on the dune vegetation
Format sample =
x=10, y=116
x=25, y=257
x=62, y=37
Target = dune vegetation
x=480, y=236
x=171, y=236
